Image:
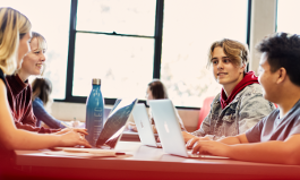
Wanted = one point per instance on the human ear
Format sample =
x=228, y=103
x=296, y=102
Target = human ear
x=281, y=72
x=243, y=67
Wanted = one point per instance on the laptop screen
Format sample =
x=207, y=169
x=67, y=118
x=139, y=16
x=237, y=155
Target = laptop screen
x=115, y=124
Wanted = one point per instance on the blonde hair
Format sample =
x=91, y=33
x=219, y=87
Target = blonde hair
x=237, y=52
x=42, y=44
x=13, y=26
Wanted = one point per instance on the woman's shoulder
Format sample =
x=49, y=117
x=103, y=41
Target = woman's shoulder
x=37, y=102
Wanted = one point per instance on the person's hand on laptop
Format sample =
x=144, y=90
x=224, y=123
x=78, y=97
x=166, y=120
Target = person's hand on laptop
x=207, y=146
x=190, y=144
x=79, y=130
x=132, y=127
x=73, y=137
x=187, y=136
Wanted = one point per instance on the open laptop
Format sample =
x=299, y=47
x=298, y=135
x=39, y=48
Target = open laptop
x=113, y=127
x=143, y=125
x=169, y=130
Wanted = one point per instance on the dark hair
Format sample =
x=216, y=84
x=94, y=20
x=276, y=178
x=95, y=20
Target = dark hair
x=283, y=50
x=42, y=88
x=158, y=89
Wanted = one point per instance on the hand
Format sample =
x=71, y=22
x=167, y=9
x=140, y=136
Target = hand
x=191, y=142
x=79, y=130
x=206, y=146
x=73, y=137
x=132, y=127
x=187, y=136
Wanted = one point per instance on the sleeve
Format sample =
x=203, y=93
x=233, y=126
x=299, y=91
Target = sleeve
x=296, y=128
x=205, y=126
x=41, y=114
x=253, y=134
x=253, y=108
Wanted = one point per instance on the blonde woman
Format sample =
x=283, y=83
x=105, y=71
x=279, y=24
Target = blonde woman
x=19, y=91
x=15, y=33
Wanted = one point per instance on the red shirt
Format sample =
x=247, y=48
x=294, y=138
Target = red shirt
x=248, y=79
x=19, y=96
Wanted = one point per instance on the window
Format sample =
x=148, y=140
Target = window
x=114, y=42
x=190, y=27
x=287, y=13
x=55, y=28
x=127, y=43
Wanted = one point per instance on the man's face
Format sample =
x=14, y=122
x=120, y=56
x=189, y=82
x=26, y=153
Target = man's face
x=267, y=79
x=226, y=73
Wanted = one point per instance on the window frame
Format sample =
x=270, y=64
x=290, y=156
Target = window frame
x=158, y=33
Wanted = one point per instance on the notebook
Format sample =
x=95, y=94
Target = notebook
x=169, y=130
x=112, y=129
x=143, y=125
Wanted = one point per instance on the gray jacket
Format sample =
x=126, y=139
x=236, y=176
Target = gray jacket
x=246, y=109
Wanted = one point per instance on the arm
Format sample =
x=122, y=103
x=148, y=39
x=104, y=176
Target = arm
x=24, y=117
x=41, y=114
x=13, y=138
x=28, y=123
x=240, y=139
x=204, y=129
x=281, y=152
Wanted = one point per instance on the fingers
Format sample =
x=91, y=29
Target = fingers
x=82, y=131
x=198, y=147
x=84, y=142
x=187, y=136
x=191, y=142
x=201, y=146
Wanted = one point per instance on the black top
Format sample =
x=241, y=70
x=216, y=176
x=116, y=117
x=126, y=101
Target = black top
x=2, y=77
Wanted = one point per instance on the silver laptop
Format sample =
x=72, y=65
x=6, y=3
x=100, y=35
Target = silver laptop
x=143, y=125
x=169, y=130
x=113, y=127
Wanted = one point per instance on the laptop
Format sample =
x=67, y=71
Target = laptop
x=169, y=130
x=113, y=127
x=144, y=127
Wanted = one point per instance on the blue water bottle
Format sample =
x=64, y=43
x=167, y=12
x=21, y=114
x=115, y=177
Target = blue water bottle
x=94, y=112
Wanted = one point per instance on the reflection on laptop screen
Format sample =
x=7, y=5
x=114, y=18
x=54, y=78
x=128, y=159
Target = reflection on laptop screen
x=115, y=124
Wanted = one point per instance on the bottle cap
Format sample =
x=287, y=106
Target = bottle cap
x=96, y=81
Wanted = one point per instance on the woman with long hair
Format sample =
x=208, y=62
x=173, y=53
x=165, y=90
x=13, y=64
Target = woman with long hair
x=15, y=33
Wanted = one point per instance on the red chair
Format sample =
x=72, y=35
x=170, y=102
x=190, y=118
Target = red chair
x=204, y=110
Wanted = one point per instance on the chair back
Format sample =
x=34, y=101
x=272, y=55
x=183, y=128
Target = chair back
x=204, y=110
